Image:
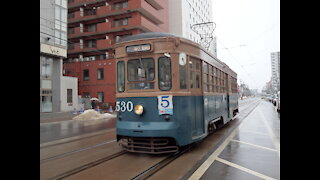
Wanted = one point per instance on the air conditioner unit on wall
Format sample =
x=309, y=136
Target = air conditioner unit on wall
x=92, y=58
x=86, y=59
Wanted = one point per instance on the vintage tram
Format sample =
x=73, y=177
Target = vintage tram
x=170, y=92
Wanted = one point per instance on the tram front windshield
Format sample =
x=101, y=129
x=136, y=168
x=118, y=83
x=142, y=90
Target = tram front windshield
x=141, y=74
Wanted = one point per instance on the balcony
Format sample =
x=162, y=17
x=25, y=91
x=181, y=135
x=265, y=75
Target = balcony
x=133, y=5
x=101, y=28
x=100, y=45
x=78, y=3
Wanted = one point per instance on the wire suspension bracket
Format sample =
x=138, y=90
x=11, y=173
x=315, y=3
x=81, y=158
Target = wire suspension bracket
x=205, y=31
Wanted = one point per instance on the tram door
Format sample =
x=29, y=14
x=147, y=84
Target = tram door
x=197, y=101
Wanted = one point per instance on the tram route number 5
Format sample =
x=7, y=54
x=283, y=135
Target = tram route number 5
x=165, y=105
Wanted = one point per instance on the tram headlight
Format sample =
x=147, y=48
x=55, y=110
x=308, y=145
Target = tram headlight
x=138, y=109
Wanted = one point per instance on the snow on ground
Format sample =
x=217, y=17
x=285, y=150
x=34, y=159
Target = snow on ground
x=92, y=114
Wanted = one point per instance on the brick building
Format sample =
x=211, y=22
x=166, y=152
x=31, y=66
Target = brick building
x=94, y=26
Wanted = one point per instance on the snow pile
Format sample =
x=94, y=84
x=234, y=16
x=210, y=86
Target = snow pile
x=92, y=114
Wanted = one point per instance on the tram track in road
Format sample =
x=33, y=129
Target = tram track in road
x=150, y=168
x=88, y=165
x=76, y=144
x=76, y=151
x=158, y=166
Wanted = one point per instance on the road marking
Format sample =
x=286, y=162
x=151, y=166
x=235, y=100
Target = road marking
x=202, y=169
x=253, y=145
x=244, y=169
x=273, y=137
x=254, y=132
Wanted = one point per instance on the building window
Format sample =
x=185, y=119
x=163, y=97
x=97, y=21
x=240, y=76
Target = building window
x=100, y=74
x=121, y=22
x=90, y=28
x=60, y=22
x=46, y=103
x=70, y=46
x=120, y=5
x=71, y=30
x=86, y=74
x=71, y=15
x=86, y=95
x=101, y=96
x=90, y=44
x=46, y=67
x=69, y=95
x=89, y=12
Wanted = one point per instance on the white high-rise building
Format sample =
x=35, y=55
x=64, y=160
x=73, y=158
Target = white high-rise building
x=275, y=70
x=185, y=13
x=58, y=93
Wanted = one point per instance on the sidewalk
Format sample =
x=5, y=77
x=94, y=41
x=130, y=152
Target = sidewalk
x=57, y=116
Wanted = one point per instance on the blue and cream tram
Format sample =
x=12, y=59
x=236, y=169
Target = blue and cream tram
x=170, y=92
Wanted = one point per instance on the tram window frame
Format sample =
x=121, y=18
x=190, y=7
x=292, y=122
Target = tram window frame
x=167, y=82
x=140, y=82
x=194, y=72
x=121, y=78
x=205, y=76
x=183, y=75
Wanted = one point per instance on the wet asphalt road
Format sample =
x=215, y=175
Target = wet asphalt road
x=70, y=128
x=252, y=152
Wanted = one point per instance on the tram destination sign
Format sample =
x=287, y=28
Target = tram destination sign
x=138, y=48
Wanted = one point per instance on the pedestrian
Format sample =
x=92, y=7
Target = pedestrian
x=93, y=104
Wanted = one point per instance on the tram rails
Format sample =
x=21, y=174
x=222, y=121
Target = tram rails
x=89, y=165
x=154, y=164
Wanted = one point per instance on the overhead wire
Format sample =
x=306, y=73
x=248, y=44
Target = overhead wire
x=236, y=60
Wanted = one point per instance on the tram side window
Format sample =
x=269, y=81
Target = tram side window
x=218, y=80
x=183, y=72
x=210, y=79
x=195, y=77
x=205, y=77
x=164, y=73
x=120, y=76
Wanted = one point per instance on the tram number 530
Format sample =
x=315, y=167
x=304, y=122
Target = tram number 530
x=124, y=106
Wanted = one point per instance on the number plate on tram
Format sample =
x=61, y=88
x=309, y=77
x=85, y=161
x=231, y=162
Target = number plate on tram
x=165, y=105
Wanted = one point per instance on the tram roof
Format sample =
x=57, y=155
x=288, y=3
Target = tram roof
x=148, y=35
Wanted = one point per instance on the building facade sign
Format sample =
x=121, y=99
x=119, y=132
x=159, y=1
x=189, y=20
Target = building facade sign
x=45, y=48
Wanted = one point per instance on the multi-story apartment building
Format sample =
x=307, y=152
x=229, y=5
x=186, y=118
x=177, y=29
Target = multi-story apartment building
x=275, y=70
x=57, y=93
x=94, y=26
x=185, y=13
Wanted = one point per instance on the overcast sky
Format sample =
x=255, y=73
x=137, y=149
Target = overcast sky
x=250, y=30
